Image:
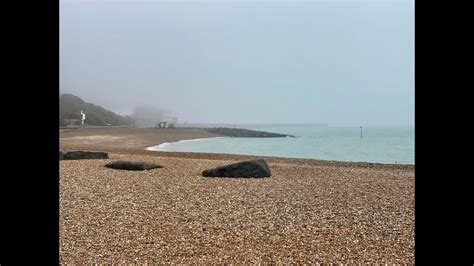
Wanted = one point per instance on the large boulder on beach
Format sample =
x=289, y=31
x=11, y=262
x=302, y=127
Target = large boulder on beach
x=132, y=166
x=79, y=155
x=245, y=169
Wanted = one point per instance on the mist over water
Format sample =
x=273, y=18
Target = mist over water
x=337, y=62
x=378, y=144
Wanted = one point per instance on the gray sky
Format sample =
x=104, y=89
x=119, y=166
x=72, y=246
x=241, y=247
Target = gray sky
x=341, y=62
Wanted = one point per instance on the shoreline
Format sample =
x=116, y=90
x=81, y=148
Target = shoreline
x=138, y=141
x=236, y=156
x=161, y=148
x=158, y=148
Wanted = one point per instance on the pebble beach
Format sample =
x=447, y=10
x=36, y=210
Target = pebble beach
x=308, y=211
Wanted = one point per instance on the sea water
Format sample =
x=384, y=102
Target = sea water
x=378, y=144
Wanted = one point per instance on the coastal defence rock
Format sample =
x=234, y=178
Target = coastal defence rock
x=132, y=166
x=245, y=133
x=245, y=169
x=80, y=155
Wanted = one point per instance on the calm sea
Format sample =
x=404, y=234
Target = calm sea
x=378, y=144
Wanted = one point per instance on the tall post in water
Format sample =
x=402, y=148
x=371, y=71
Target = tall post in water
x=360, y=132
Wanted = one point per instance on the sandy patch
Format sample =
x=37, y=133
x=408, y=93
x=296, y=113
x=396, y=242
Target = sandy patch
x=92, y=138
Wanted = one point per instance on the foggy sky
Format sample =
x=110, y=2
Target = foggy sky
x=341, y=62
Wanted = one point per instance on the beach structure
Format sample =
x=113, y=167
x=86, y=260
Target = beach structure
x=148, y=116
x=168, y=123
x=72, y=122
x=83, y=117
x=161, y=125
x=171, y=119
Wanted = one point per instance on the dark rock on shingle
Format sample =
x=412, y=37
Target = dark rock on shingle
x=245, y=169
x=80, y=155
